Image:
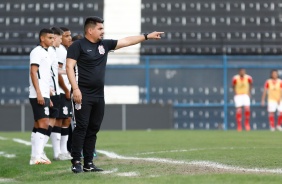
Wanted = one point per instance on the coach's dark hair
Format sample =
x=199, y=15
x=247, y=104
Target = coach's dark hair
x=44, y=31
x=64, y=29
x=57, y=31
x=92, y=21
x=271, y=72
x=76, y=37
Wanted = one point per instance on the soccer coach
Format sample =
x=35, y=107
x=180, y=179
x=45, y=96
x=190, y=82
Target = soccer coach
x=86, y=64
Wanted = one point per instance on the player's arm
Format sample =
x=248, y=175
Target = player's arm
x=61, y=71
x=264, y=94
x=251, y=86
x=132, y=40
x=77, y=96
x=234, y=85
x=62, y=83
x=33, y=75
x=280, y=93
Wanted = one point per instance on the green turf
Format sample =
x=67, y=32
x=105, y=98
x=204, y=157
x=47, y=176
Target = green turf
x=256, y=149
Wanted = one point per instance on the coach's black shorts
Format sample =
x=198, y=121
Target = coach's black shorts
x=65, y=107
x=54, y=111
x=40, y=111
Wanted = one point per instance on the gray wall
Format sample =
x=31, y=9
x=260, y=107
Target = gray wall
x=117, y=117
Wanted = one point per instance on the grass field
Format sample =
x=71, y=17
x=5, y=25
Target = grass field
x=157, y=157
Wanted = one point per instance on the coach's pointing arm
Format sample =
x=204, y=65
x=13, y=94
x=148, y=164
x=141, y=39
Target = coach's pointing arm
x=132, y=40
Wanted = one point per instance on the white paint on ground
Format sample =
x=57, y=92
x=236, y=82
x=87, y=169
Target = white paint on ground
x=156, y=152
x=4, y=180
x=128, y=174
x=3, y=138
x=110, y=171
x=27, y=143
x=154, y=176
x=209, y=164
x=203, y=149
x=3, y=154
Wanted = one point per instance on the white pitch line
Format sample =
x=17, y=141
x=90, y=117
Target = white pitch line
x=203, y=149
x=3, y=138
x=110, y=171
x=27, y=143
x=2, y=153
x=128, y=174
x=209, y=164
x=4, y=180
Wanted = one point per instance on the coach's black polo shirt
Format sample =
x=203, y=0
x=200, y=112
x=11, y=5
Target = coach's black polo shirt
x=91, y=64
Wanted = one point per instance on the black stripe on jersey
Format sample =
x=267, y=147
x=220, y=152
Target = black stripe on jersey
x=53, y=74
x=53, y=78
x=38, y=74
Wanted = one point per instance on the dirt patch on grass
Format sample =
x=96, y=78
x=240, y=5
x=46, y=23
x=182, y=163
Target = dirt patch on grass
x=148, y=168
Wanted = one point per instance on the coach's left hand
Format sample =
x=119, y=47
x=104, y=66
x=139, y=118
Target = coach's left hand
x=77, y=96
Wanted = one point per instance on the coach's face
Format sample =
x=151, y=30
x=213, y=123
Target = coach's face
x=97, y=31
x=66, y=39
x=47, y=40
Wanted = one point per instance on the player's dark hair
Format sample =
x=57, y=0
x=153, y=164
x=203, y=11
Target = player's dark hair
x=57, y=31
x=64, y=29
x=241, y=69
x=92, y=21
x=77, y=37
x=44, y=31
x=271, y=72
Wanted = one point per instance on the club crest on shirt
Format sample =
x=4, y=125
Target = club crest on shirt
x=65, y=110
x=46, y=111
x=101, y=49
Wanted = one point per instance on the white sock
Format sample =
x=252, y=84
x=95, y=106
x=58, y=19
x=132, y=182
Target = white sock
x=32, y=144
x=46, y=139
x=64, y=140
x=56, y=142
x=39, y=144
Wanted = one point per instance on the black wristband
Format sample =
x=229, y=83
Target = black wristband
x=145, y=35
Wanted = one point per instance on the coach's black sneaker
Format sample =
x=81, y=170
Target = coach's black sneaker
x=90, y=167
x=76, y=167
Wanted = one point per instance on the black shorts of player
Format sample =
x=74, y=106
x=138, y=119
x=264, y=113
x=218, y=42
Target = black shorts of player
x=65, y=107
x=54, y=111
x=40, y=111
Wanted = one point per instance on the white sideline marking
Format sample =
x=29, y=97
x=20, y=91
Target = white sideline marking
x=2, y=153
x=209, y=164
x=3, y=138
x=4, y=180
x=202, y=149
x=27, y=143
x=128, y=174
x=110, y=171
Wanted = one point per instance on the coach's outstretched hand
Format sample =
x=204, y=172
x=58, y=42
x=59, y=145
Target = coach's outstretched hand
x=155, y=35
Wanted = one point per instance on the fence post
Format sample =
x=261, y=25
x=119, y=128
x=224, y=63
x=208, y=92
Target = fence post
x=123, y=116
x=225, y=88
x=22, y=118
x=147, y=78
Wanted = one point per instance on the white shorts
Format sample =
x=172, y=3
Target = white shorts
x=242, y=100
x=274, y=106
